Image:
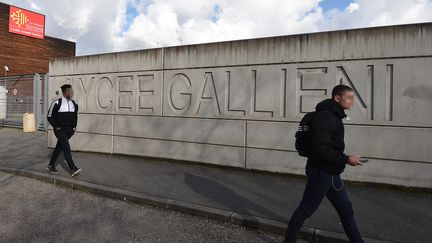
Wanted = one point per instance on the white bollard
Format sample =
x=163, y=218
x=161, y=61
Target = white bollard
x=29, y=122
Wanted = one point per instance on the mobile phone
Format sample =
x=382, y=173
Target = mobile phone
x=364, y=161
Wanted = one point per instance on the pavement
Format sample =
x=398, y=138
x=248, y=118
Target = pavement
x=34, y=211
x=383, y=213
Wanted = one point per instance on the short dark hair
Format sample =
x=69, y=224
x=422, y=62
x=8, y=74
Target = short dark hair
x=338, y=90
x=64, y=87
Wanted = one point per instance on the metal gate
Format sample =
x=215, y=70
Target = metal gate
x=23, y=94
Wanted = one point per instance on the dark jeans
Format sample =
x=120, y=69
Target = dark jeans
x=63, y=135
x=320, y=184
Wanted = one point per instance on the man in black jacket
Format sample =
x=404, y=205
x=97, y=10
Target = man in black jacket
x=326, y=163
x=63, y=117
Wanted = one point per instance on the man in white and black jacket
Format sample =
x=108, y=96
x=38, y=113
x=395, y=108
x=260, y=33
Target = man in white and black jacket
x=63, y=117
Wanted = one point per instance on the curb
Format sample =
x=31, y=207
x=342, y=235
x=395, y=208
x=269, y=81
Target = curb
x=245, y=220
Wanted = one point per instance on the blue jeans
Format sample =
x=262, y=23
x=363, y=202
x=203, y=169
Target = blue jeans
x=320, y=184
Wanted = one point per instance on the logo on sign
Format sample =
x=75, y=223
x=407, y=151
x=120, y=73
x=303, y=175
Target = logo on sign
x=19, y=18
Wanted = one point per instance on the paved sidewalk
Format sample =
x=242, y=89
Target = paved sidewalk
x=382, y=213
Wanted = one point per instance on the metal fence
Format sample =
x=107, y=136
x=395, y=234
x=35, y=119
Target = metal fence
x=23, y=94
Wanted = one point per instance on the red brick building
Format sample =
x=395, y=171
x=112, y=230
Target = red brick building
x=26, y=50
x=28, y=55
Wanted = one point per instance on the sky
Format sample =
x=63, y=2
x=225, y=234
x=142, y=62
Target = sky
x=99, y=26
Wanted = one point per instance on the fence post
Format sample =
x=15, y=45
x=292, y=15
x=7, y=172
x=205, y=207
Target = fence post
x=3, y=102
x=37, y=89
x=46, y=102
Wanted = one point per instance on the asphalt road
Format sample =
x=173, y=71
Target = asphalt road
x=35, y=211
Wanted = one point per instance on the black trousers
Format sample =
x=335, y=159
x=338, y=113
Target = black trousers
x=63, y=135
x=320, y=184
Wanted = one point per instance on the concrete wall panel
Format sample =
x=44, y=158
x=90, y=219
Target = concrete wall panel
x=411, y=144
x=224, y=132
x=392, y=41
x=85, y=142
x=213, y=154
x=368, y=141
x=93, y=123
x=111, y=62
x=379, y=171
x=410, y=174
x=271, y=135
x=275, y=161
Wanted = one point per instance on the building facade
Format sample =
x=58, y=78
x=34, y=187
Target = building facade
x=28, y=55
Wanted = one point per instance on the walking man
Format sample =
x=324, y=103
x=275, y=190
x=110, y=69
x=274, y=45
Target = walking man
x=325, y=163
x=63, y=117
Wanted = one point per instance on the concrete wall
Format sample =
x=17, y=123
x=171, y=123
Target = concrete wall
x=238, y=103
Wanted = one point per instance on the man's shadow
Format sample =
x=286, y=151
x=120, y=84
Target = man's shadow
x=230, y=199
x=225, y=196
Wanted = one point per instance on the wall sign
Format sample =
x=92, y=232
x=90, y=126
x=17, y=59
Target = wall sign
x=26, y=23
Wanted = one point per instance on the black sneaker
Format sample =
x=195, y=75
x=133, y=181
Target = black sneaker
x=52, y=169
x=76, y=171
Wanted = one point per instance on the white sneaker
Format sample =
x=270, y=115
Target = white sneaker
x=76, y=172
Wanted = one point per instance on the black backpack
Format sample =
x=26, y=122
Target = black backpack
x=303, y=135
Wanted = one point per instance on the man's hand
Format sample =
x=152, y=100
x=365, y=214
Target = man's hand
x=354, y=160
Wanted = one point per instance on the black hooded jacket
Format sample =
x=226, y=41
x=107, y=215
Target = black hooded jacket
x=327, y=138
